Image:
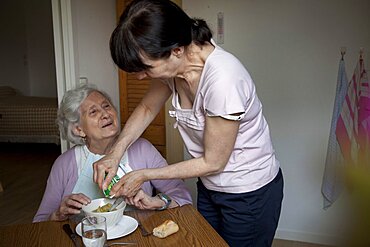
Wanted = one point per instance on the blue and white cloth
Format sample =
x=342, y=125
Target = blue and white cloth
x=332, y=183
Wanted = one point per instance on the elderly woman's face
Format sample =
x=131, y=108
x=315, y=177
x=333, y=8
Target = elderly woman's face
x=98, y=118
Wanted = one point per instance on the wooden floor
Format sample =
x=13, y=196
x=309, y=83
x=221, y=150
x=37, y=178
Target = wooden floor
x=24, y=169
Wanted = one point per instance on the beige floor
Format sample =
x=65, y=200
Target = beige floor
x=24, y=169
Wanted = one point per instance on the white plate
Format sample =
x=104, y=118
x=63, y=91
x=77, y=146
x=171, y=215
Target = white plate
x=124, y=227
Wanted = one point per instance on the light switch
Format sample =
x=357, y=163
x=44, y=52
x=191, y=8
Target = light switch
x=83, y=80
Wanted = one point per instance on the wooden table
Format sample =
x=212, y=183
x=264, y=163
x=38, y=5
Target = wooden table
x=194, y=231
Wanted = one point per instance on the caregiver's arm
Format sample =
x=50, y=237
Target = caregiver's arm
x=219, y=140
x=139, y=120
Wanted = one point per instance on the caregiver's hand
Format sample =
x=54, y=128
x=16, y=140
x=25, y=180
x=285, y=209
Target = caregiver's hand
x=130, y=184
x=108, y=164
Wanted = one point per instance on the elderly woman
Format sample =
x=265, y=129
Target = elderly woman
x=87, y=118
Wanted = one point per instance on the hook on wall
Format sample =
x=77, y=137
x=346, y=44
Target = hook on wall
x=361, y=52
x=343, y=50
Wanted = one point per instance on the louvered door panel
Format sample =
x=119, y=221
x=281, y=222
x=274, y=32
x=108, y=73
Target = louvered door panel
x=132, y=91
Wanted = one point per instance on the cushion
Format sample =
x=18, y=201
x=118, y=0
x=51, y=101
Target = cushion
x=6, y=91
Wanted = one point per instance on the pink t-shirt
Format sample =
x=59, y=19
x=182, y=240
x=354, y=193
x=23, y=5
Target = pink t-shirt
x=226, y=88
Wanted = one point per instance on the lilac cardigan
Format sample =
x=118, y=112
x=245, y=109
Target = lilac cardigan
x=141, y=154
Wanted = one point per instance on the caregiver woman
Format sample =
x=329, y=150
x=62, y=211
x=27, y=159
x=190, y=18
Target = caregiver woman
x=218, y=114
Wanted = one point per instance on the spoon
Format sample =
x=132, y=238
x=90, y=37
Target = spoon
x=117, y=202
x=123, y=243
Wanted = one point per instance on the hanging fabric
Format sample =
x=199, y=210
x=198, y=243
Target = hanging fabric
x=364, y=117
x=353, y=130
x=332, y=183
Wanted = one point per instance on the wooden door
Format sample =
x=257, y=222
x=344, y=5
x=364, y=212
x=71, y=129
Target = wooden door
x=132, y=91
x=166, y=140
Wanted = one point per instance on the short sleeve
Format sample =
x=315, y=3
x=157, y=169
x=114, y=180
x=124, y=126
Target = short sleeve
x=227, y=88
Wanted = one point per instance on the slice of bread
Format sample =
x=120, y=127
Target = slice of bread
x=165, y=229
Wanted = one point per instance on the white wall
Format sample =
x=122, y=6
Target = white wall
x=40, y=48
x=292, y=50
x=93, y=23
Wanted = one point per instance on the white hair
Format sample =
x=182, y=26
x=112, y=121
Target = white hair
x=69, y=111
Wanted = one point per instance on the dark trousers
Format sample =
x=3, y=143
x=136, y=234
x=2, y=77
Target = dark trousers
x=244, y=219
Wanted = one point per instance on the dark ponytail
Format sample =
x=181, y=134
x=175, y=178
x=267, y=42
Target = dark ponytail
x=200, y=31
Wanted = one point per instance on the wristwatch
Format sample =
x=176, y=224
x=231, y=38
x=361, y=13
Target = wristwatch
x=167, y=200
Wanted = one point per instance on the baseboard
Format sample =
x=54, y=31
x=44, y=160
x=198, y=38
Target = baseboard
x=306, y=237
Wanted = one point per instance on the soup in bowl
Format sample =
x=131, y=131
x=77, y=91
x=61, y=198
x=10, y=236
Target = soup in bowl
x=100, y=207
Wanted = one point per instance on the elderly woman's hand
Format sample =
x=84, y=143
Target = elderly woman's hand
x=70, y=205
x=129, y=184
x=143, y=201
x=108, y=165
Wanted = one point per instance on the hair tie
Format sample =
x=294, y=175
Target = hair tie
x=196, y=23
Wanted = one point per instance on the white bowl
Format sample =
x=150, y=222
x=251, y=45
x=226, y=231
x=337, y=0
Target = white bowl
x=112, y=217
